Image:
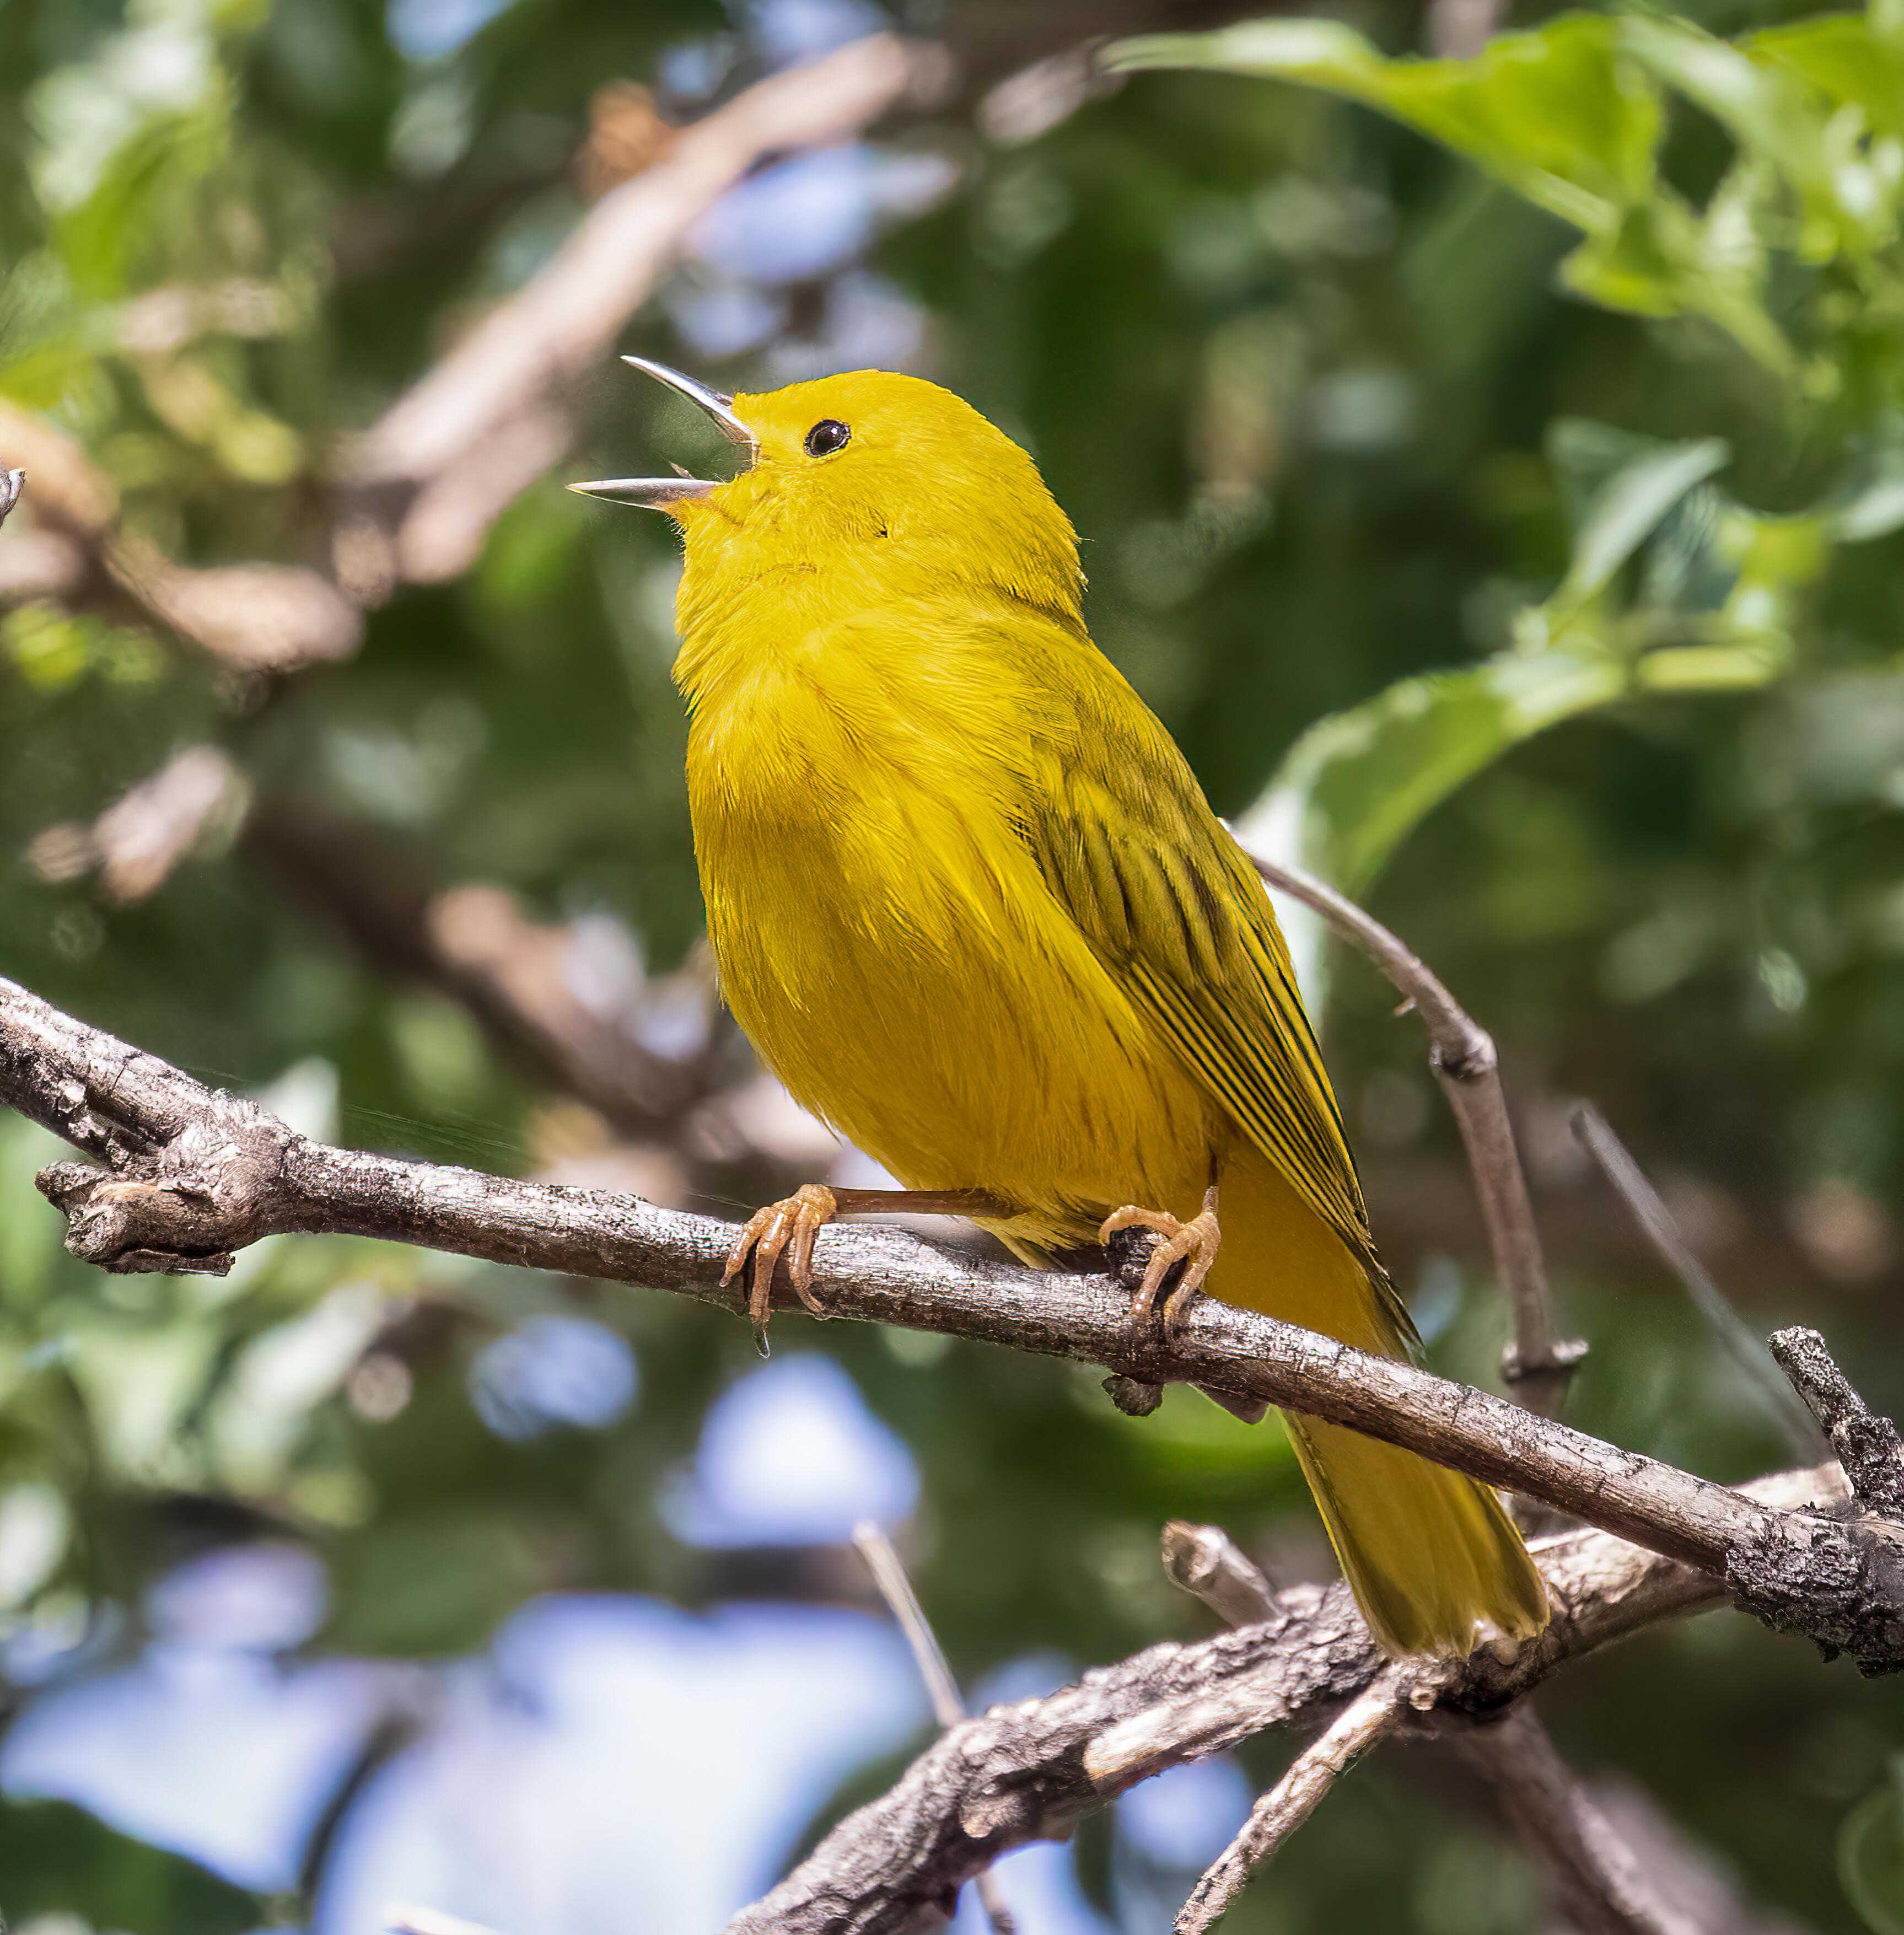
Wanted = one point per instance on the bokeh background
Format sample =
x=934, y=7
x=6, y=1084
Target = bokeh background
x=1491, y=472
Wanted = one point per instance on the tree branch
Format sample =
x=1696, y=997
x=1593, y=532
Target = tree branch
x=1028, y=1772
x=195, y=1175
x=1540, y=1362
x=1206, y=1560
x=1594, y=1875
x=1373, y=1712
x=255, y=618
x=1599, y=1885
x=1867, y=1445
x=134, y=844
x=888, y=1572
x=454, y=451
x=1655, y=1222
x=503, y=373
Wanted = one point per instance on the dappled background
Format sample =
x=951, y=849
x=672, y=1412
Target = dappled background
x=1493, y=474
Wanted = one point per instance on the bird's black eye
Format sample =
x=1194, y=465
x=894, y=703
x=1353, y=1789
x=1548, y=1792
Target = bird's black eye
x=826, y=436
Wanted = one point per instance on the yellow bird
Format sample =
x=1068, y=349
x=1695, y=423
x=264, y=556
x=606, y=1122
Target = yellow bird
x=970, y=905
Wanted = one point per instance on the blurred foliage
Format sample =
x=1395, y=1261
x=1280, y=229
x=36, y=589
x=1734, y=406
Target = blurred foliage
x=1492, y=472
x=1871, y=1855
x=58, y=1861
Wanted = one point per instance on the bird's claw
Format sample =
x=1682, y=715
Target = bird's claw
x=795, y=1219
x=1193, y=1245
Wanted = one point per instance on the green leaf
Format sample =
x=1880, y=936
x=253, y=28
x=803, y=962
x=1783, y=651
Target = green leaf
x=1711, y=615
x=56, y=1859
x=1870, y=1854
x=1359, y=783
x=1556, y=114
x=1846, y=196
x=1571, y=118
x=1629, y=505
x=1847, y=60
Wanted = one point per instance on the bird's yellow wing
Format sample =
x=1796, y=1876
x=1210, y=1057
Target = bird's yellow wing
x=1128, y=843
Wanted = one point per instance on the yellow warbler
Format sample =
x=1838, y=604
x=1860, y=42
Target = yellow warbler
x=973, y=909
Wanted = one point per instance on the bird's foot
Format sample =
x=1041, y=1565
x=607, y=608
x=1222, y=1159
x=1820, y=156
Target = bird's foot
x=795, y=1219
x=1189, y=1249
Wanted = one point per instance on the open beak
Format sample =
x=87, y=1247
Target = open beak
x=657, y=492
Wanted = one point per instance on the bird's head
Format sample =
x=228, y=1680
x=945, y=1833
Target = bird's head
x=889, y=482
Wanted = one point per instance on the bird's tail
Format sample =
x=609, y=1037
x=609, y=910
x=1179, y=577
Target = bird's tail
x=1435, y=1563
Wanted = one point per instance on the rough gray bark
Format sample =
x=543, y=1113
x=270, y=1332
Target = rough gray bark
x=1867, y=1445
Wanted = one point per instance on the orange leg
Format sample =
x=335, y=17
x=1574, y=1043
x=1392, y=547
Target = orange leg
x=1193, y=1244
x=798, y=1218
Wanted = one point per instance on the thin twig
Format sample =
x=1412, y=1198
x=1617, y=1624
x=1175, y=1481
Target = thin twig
x=1027, y=1772
x=1600, y=1886
x=1867, y=1443
x=1206, y=1560
x=402, y=1918
x=1596, y=1875
x=888, y=1572
x=1540, y=1361
x=1278, y=1815
x=1655, y=1222
x=196, y=1174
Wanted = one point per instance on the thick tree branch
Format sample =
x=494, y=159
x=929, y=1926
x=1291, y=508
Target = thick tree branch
x=195, y=1175
x=1029, y=1772
x=1540, y=1361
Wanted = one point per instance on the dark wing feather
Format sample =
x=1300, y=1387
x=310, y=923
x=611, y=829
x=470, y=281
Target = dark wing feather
x=1126, y=840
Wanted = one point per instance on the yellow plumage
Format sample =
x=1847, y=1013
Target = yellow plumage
x=972, y=907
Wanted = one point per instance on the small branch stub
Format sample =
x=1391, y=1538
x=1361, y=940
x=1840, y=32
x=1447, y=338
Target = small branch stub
x=1867, y=1444
x=1204, y=1559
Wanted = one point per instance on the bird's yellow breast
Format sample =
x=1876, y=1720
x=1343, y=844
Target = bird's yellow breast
x=886, y=939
